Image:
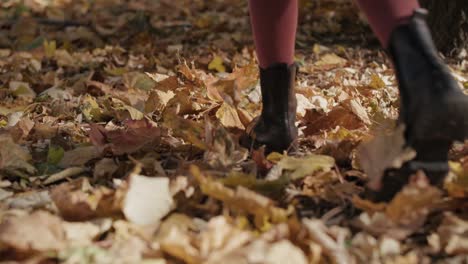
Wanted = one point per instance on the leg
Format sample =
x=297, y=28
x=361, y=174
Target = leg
x=274, y=24
x=433, y=108
x=384, y=16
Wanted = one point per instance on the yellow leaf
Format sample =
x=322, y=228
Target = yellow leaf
x=229, y=117
x=330, y=59
x=301, y=167
x=90, y=108
x=22, y=89
x=189, y=130
x=456, y=183
x=376, y=82
x=50, y=48
x=217, y=64
x=242, y=199
x=115, y=71
x=134, y=113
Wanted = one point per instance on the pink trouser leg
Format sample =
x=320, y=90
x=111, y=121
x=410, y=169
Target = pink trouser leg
x=274, y=24
x=385, y=15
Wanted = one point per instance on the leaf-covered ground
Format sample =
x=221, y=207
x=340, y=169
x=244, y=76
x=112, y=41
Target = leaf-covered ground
x=119, y=141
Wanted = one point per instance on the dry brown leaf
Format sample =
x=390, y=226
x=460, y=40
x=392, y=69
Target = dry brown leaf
x=385, y=151
x=29, y=200
x=14, y=157
x=359, y=111
x=452, y=234
x=79, y=156
x=40, y=231
x=242, y=199
x=228, y=116
x=338, y=116
x=78, y=200
x=178, y=244
x=456, y=183
x=136, y=135
x=304, y=166
x=332, y=241
x=330, y=59
x=414, y=202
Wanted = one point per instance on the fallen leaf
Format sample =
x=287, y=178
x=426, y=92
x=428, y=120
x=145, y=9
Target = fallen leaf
x=285, y=252
x=338, y=116
x=79, y=156
x=217, y=64
x=29, y=200
x=136, y=135
x=78, y=200
x=330, y=59
x=21, y=234
x=384, y=151
x=360, y=111
x=147, y=200
x=452, y=234
x=14, y=157
x=228, y=116
x=64, y=174
x=301, y=167
x=55, y=154
x=22, y=89
x=333, y=243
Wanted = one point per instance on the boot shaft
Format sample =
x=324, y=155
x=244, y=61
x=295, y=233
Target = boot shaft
x=278, y=96
x=421, y=73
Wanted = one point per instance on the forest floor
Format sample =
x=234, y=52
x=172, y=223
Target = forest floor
x=119, y=136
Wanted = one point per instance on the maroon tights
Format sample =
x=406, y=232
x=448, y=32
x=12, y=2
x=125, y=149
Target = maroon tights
x=274, y=24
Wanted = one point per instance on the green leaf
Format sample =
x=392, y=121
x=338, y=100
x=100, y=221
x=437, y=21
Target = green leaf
x=55, y=154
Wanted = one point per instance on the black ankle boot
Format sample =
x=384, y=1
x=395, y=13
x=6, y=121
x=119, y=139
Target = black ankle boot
x=275, y=127
x=433, y=108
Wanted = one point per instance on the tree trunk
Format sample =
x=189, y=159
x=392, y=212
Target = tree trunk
x=448, y=20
